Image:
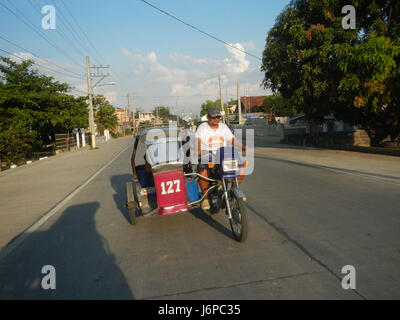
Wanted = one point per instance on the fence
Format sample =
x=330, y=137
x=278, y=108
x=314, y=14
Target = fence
x=66, y=141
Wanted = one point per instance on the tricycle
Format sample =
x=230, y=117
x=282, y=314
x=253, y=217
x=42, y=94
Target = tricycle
x=165, y=183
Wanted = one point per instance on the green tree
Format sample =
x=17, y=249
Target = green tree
x=161, y=111
x=33, y=107
x=211, y=104
x=321, y=68
x=99, y=101
x=276, y=105
x=106, y=118
x=164, y=113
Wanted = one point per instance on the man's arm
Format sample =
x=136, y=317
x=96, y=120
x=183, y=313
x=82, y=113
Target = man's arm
x=198, y=141
x=237, y=144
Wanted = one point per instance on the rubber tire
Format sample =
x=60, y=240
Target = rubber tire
x=130, y=199
x=243, y=212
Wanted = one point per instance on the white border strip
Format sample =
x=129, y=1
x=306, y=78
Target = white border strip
x=17, y=241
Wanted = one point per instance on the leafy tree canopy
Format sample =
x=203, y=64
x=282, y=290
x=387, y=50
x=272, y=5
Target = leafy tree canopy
x=100, y=101
x=321, y=68
x=164, y=113
x=106, y=118
x=33, y=107
x=213, y=104
x=278, y=106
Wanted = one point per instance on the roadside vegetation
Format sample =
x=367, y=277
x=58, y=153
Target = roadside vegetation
x=33, y=108
x=320, y=68
x=105, y=116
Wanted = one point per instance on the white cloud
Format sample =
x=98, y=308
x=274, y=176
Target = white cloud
x=249, y=45
x=154, y=71
x=60, y=71
x=111, y=97
x=181, y=58
x=181, y=89
x=190, y=80
x=238, y=62
x=19, y=56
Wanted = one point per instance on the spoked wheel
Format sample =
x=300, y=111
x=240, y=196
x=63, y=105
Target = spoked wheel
x=131, y=203
x=239, y=224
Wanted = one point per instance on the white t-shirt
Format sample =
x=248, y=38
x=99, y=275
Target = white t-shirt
x=213, y=139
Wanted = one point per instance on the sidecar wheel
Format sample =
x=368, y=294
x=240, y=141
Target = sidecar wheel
x=239, y=223
x=131, y=203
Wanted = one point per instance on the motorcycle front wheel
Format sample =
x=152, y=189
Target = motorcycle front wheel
x=239, y=223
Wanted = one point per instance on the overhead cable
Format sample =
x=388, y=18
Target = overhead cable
x=197, y=29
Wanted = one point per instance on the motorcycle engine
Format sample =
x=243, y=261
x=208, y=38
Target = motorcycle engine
x=215, y=201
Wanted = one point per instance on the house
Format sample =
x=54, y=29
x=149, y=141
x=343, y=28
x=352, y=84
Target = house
x=144, y=117
x=123, y=115
x=251, y=104
x=230, y=107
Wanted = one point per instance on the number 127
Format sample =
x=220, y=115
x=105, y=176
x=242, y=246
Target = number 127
x=167, y=187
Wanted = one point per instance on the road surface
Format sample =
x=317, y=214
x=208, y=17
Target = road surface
x=306, y=220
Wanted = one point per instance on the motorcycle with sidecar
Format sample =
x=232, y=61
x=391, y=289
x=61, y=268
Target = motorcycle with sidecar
x=171, y=186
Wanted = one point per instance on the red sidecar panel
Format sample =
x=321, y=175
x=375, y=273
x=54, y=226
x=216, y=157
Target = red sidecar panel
x=171, y=191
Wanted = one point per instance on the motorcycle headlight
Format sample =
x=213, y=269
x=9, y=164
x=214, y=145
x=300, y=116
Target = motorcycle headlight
x=230, y=165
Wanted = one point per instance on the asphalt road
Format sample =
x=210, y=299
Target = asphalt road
x=306, y=223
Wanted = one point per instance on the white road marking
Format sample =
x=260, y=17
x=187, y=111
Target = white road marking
x=17, y=241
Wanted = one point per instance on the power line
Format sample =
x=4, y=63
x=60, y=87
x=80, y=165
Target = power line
x=197, y=29
x=117, y=77
x=38, y=64
x=187, y=96
x=69, y=29
x=80, y=91
x=83, y=32
x=28, y=51
x=32, y=27
x=72, y=31
x=59, y=31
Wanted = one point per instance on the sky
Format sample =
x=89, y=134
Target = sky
x=154, y=58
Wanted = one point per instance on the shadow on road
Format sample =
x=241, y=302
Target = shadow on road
x=118, y=183
x=85, y=267
x=212, y=222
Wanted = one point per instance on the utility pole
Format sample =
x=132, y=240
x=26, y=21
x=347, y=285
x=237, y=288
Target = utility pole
x=247, y=100
x=90, y=94
x=91, y=116
x=239, y=104
x=133, y=117
x=220, y=98
x=227, y=109
x=127, y=112
x=177, y=116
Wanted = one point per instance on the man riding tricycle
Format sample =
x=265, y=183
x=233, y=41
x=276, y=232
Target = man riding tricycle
x=166, y=180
